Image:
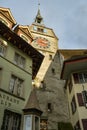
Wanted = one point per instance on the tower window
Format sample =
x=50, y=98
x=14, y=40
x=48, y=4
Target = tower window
x=50, y=57
x=35, y=28
x=43, y=85
x=49, y=105
x=40, y=29
x=53, y=71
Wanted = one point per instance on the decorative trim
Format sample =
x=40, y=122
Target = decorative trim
x=16, y=65
x=11, y=94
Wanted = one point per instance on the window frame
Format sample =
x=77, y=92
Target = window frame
x=18, y=59
x=15, y=88
x=8, y=120
x=80, y=77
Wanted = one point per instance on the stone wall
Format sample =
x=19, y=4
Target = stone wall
x=53, y=92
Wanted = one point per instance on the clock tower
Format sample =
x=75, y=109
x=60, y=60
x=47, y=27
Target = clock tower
x=49, y=87
x=46, y=42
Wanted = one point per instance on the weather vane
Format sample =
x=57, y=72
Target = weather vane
x=38, y=4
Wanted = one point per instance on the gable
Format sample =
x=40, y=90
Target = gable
x=7, y=13
x=24, y=30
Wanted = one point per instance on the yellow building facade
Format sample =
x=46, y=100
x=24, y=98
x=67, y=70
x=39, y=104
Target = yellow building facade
x=74, y=71
x=19, y=63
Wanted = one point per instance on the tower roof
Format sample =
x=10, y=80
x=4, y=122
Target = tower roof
x=38, y=18
x=32, y=105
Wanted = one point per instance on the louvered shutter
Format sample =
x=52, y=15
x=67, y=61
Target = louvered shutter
x=80, y=99
x=76, y=79
x=84, y=122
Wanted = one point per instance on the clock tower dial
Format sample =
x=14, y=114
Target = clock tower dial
x=41, y=42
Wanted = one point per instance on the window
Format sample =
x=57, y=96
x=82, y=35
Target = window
x=84, y=122
x=16, y=86
x=84, y=95
x=43, y=85
x=19, y=60
x=73, y=105
x=80, y=77
x=3, y=45
x=50, y=57
x=37, y=122
x=40, y=29
x=53, y=71
x=27, y=122
x=11, y=121
x=49, y=107
x=35, y=28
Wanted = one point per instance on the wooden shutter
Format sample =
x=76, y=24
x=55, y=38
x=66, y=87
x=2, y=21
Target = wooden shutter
x=84, y=122
x=73, y=105
x=76, y=79
x=70, y=85
x=80, y=99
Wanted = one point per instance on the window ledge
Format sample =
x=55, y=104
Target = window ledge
x=12, y=94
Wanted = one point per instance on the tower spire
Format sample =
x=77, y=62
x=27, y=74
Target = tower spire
x=39, y=18
x=38, y=4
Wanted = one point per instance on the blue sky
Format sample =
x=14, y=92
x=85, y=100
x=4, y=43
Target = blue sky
x=68, y=18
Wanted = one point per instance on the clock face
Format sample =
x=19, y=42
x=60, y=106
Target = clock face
x=42, y=42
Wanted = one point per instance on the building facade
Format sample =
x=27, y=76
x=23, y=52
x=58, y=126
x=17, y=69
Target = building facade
x=75, y=73
x=48, y=83
x=50, y=88
x=22, y=49
x=19, y=63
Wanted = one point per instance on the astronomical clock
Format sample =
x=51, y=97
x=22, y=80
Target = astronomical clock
x=41, y=43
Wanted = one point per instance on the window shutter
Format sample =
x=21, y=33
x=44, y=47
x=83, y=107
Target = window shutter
x=84, y=122
x=80, y=99
x=76, y=79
